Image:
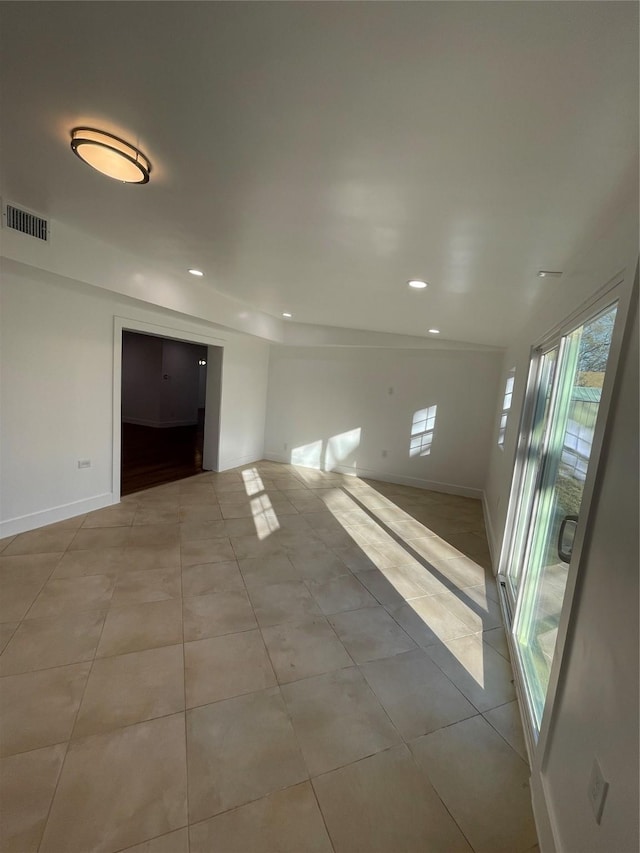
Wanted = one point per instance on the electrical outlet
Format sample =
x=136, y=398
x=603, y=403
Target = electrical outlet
x=84, y=463
x=598, y=789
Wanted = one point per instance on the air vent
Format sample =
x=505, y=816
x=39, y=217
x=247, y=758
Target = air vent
x=26, y=223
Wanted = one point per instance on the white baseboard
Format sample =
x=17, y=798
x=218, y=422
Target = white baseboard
x=491, y=537
x=279, y=457
x=399, y=479
x=159, y=424
x=227, y=464
x=548, y=836
x=23, y=523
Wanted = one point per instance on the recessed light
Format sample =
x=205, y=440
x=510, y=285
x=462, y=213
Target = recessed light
x=417, y=283
x=196, y=272
x=286, y=314
x=434, y=331
x=549, y=274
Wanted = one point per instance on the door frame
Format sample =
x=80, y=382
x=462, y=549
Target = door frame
x=212, y=408
x=620, y=290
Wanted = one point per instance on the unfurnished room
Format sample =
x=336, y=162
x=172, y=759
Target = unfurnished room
x=319, y=427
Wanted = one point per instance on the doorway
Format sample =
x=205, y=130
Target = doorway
x=163, y=402
x=558, y=445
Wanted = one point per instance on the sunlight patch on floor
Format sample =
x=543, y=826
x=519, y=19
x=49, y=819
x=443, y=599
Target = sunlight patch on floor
x=264, y=516
x=364, y=514
x=252, y=481
x=398, y=559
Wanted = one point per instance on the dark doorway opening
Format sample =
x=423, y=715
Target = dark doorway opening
x=163, y=410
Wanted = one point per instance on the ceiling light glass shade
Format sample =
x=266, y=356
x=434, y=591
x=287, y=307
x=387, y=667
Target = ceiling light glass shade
x=417, y=283
x=110, y=155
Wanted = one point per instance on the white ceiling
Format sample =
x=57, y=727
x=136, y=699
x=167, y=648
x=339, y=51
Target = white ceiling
x=312, y=157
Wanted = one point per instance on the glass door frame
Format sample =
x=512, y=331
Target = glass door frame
x=519, y=513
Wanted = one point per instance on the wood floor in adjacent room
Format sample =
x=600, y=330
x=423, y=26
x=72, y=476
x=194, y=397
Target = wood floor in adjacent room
x=268, y=659
x=152, y=456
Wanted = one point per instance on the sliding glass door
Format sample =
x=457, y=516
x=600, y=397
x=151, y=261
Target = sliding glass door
x=566, y=380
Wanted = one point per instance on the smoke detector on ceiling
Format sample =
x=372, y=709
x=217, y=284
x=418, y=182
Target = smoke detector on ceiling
x=26, y=222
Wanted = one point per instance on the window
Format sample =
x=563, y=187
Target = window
x=565, y=385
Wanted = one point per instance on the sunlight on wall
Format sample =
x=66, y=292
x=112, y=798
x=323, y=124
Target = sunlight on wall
x=506, y=405
x=309, y=455
x=326, y=456
x=422, y=429
x=340, y=447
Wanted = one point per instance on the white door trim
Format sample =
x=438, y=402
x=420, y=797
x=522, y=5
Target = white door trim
x=121, y=324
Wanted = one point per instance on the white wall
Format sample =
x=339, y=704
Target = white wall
x=213, y=393
x=597, y=711
x=245, y=363
x=353, y=409
x=82, y=257
x=57, y=393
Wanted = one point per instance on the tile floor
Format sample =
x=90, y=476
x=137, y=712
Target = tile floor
x=268, y=660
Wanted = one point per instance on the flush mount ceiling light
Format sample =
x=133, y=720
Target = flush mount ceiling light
x=434, y=331
x=549, y=274
x=196, y=272
x=286, y=314
x=417, y=283
x=110, y=155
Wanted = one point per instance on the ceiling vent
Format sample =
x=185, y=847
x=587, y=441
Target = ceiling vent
x=25, y=222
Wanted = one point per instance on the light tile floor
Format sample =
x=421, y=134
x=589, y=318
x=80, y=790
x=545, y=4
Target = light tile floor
x=268, y=659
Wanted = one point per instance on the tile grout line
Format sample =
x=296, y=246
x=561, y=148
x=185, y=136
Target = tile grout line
x=44, y=583
x=305, y=582
x=282, y=698
x=259, y=626
x=324, y=820
x=423, y=773
x=24, y=617
x=286, y=707
x=75, y=720
x=453, y=684
x=154, y=838
x=184, y=682
x=499, y=733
